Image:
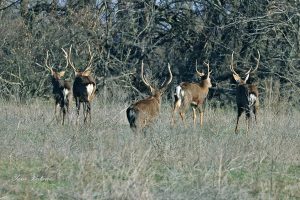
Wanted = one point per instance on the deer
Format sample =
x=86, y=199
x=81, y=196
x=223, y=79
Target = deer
x=247, y=99
x=84, y=86
x=61, y=90
x=192, y=95
x=144, y=112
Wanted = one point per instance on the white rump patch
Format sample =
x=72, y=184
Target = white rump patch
x=90, y=89
x=65, y=93
x=179, y=93
x=251, y=99
x=193, y=103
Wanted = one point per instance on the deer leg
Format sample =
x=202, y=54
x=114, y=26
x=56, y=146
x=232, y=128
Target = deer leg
x=240, y=111
x=201, y=118
x=194, y=116
x=88, y=108
x=255, y=109
x=248, y=119
x=175, y=108
x=67, y=106
x=62, y=111
x=64, y=115
x=77, y=109
x=55, y=111
x=84, y=111
x=182, y=115
x=177, y=105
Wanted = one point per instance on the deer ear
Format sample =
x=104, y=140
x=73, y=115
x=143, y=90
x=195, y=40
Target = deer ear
x=200, y=74
x=61, y=74
x=237, y=78
x=247, y=77
x=87, y=73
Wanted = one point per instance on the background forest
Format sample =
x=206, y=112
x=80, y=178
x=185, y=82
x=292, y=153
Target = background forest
x=40, y=159
x=122, y=33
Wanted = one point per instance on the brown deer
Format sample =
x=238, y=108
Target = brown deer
x=143, y=112
x=192, y=94
x=84, y=86
x=61, y=90
x=246, y=94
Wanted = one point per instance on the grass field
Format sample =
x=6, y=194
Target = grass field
x=40, y=159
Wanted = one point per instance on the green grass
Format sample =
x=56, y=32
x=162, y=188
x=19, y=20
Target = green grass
x=40, y=159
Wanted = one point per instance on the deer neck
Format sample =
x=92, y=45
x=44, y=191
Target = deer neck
x=157, y=97
x=205, y=84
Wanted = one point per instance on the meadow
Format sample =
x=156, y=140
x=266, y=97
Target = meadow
x=41, y=159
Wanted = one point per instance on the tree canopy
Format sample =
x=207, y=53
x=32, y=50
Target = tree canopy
x=121, y=33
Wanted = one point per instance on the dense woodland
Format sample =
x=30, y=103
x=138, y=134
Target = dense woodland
x=121, y=33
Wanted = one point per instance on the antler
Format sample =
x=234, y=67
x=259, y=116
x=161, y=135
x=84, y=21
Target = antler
x=257, y=60
x=67, y=64
x=208, y=72
x=68, y=58
x=164, y=86
x=199, y=73
x=46, y=62
x=89, y=65
x=143, y=78
x=231, y=65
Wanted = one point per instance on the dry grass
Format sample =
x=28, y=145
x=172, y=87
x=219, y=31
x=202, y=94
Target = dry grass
x=40, y=159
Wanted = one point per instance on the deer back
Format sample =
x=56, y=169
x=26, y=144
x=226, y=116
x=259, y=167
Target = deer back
x=194, y=92
x=149, y=108
x=81, y=87
x=242, y=94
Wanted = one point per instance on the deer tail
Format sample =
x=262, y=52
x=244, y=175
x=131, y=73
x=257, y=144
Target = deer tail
x=132, y=114
x=65, y=94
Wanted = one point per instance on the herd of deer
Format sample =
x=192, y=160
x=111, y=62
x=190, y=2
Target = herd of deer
x=144, y=112
x=83, y=90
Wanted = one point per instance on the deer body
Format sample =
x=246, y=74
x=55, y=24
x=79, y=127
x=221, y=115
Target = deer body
x=62, y=94
x=143, y=112
x=246, y=95
x=61, y=90
x=84, y=87
x=191, y=94
x=246, y=101
x=83, y=91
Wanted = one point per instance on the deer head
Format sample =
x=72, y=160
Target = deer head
x=156, y=91
x=205, y=77
x=88, y=68
x=55, y=74
x=237, y=77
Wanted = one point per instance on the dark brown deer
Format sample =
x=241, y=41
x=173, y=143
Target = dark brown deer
x=192, y=94
x=143, y=112
x=61, y=90
x=246, y=94
x=84, y=86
